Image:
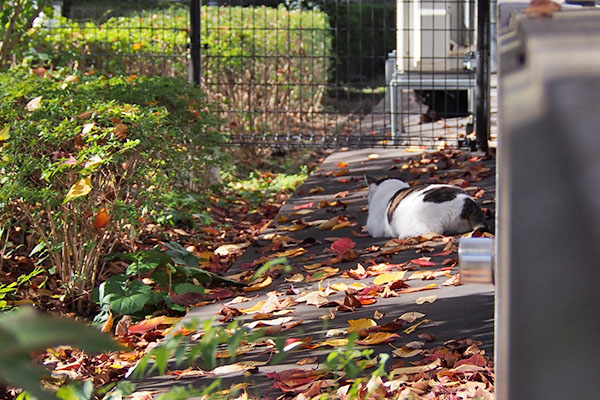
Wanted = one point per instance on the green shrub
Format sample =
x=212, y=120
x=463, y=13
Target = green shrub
x=365, y=34
x=255, y=59
x=83, y=158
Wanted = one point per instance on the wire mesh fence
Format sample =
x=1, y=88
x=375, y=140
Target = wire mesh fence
x=326, y=73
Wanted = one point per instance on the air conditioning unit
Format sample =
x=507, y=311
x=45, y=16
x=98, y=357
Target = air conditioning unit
x=433, y=36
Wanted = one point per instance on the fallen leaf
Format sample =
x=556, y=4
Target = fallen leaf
x=316, y=189
x=417, y=369
x=260, y=285
x=414, y=327
x=418, y=289
x=333, y=342
x=373, y=156
x=120, y=131
x=273, y=322
x=322, y=274
x=307, y=360
x=153, y=323
x=303, y=206
x=389, y=277
x=341, y=172
x=430, y=337
x=315, y=298
x=336, y=332
x=296, y=278
x=34, y=104
x=423, y=262
x=107, y=326
x=342, y=245
x=360, y=324
x=405, y=352
x=341, y=194
x=378, y=315
x=80, y=189
x=227, y=249
x=411, y=316
x=342, y=164
x=378, y=338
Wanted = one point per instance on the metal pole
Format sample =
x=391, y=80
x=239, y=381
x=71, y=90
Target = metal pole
x=196, y=40
x=482, y=111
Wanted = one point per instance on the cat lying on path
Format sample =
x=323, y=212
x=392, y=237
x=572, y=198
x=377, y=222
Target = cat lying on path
x=400, y=211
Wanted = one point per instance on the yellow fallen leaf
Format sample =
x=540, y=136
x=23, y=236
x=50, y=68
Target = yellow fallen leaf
x=414, y=327
x=339, y=287
x=358, y=324
x=296, y=278
x=333, y=342
x=374, y=156
x=341, y=225
x=34, y=104
x=258, y=286
x=316, y=189
x=330, y=223
x=254, y=309
x=5, y=133
x=389, y=277
x=81, y=188
x=419, y=368
x=314, y=266
x=377, y=338
x=426, y=299
x=137, y=46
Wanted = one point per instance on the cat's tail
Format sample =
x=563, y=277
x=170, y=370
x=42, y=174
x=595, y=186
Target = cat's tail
x=473, y=213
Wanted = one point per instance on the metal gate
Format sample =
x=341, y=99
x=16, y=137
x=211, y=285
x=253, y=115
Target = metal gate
x=323, y=73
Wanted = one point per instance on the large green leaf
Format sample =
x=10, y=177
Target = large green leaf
x=135, y=297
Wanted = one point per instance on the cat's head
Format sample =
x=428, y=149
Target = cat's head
x=375, y=183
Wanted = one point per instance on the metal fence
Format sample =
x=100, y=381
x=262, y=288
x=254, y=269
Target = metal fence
x=327, y=73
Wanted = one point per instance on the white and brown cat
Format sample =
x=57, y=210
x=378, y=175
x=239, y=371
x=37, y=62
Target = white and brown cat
x=398, y=210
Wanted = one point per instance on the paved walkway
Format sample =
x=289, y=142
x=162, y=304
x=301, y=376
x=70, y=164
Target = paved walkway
x=464, y=311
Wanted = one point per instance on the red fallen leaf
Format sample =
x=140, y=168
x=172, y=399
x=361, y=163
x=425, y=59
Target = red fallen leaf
x=418, y=289
x=430, y=337
x=359, y=273
x=448, y=261
x=341, y=194
x=295, y=343
x=366, y=300
x=350, y=303
x=476, y=359
x=459, y=182
x=340, y=246
x=400, y=284
x=292, y=378
x=421, y=262
x=304, y=206
x=187, y=299
x=342, y=164
x=444, y=253
x=219, y=294
x=345, y=180
x=393, y=326
x=371, y=290
x=152, y=323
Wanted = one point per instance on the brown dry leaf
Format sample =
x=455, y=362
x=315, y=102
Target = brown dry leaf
x=227, y=249
x=107, y=326
x=298, y=225
x=312, y=267
x=341, y=225
x=342, y=172
x=121, y=131
x=316, y=189
x=454, y=280
x=419, y=289
x=342, y=194
x=342, y=164
x=307, y=360
x=333, y=342
x=406, y=352
x=378, y=315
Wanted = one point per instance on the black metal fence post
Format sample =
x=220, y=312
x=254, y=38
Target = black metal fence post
x=196, y=40
x=482, y=111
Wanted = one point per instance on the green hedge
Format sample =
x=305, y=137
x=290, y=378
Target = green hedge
x=83, y=158
x=365, y=34
x=255, y=59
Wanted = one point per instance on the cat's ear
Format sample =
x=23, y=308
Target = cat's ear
x=369, y=179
